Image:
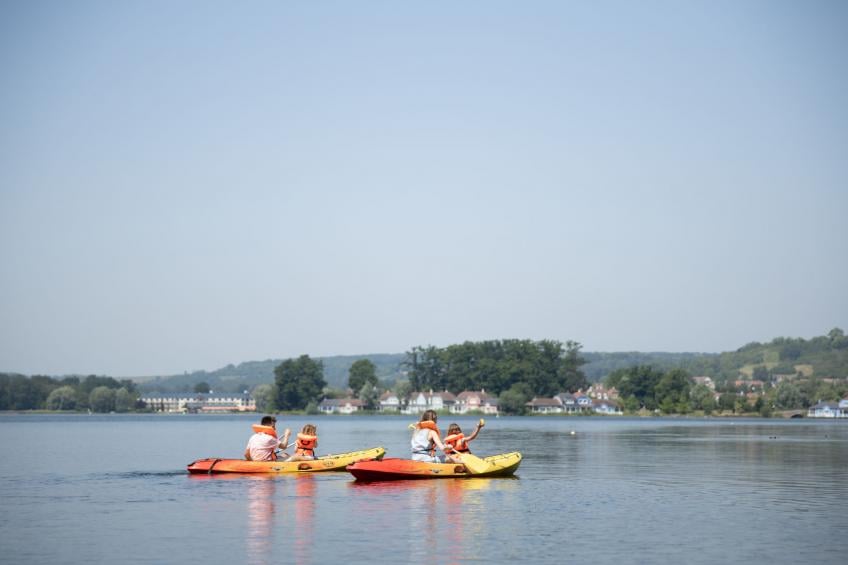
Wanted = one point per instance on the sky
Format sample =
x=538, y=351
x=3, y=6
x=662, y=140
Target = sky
x=185, y=185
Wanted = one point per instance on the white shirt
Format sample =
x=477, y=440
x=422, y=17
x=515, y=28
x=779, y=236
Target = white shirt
x=262, y=446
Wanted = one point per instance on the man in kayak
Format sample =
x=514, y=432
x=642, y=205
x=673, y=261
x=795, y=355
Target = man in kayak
x=263, y=444
x=426, y=438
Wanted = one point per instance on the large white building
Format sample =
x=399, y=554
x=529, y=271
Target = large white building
x=181, y=402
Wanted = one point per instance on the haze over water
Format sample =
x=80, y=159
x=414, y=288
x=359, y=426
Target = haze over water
x=104, y=488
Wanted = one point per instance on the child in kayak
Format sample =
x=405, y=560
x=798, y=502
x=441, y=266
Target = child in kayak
x=457, y=441
x=307, y=441
x=426, y=438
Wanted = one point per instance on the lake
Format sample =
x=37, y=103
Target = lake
x=110, y=488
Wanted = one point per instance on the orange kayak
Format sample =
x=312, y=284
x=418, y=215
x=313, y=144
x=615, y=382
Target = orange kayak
x=337, y=462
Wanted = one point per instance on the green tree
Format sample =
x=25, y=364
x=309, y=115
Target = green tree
x=102, y=399
x=788, y=396
x=62, y=398
x=361, y=372
x=403, y=389
x=639, y=382
x=571, y=376
x=702, y=398
x=265, y=396
x=761, y=373
x=513, y=401
x=124, y=400
x=727, y=401
x=202, y=387
x=369, y=395
x=299, y=381
x=674, y=386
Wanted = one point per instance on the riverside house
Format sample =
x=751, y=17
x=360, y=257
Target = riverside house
x=474, y=401
x=340, y=405
x=389, y=402
x=572, y=404
x=829, y=409
x=421, y=401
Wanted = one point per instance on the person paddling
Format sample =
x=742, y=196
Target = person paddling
x=426, y=438
x=263, y=444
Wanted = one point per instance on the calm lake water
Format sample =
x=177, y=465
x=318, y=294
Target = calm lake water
x=104, y=489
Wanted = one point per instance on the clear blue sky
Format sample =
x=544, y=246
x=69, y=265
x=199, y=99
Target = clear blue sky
x=189, y=184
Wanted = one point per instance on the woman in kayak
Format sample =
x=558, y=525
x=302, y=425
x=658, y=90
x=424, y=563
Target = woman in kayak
x=307, y=441
x=457, y=441
x=426, y=438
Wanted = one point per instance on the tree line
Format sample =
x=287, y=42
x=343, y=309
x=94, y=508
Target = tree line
x=98, y=394
x=513, y=370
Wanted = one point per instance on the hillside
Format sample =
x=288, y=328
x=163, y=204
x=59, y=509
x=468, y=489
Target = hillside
x=823, y=356
x=244, y=376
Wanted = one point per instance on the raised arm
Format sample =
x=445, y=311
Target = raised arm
x=284, y=443
x=475, y=432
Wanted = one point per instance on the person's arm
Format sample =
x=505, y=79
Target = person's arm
x=434, y=437
x=284, y=443
x=474, y=434
x=247, y=453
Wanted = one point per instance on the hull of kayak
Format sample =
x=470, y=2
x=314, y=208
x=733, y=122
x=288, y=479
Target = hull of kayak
x=392, y=469
x=336, y=462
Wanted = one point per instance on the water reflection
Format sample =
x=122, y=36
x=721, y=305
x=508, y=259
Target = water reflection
x=275, y=520
x=261, y=493
x=444, y=520
x=304, y=512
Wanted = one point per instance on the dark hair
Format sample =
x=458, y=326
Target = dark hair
x=428, y=415
x=268, y=420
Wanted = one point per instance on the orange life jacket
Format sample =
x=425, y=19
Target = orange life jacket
x=429, y=425
x=259, y=429
x=457, y=441
x=306, y=445
x=268, y=430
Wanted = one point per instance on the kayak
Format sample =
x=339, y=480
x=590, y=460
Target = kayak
x=394, y=469
x=336, y=462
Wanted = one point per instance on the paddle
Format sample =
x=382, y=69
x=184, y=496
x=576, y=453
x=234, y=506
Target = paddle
x=474, y=464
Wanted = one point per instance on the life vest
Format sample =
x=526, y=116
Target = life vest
x=306, y=445
x=457, y=441
x=260, y=429
x=267, y=430
x=429, y=425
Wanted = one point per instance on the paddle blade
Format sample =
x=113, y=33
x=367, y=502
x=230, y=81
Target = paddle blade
x=474, y=464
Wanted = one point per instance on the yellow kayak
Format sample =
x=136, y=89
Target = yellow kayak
x=336, y=462
x=392, y=469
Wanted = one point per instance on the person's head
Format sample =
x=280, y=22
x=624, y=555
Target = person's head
x=309, y=430
x=269, y=421
x=429, y=416
x=454, y=429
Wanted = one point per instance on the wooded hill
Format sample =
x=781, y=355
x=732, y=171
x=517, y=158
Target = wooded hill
x=822, y=356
